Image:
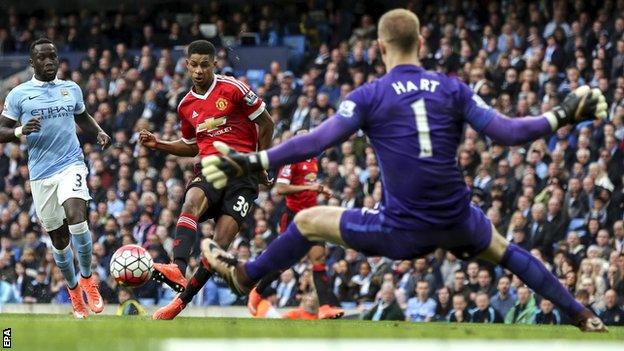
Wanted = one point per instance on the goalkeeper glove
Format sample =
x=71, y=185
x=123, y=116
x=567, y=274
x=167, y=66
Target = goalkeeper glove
x=231, y=164
x=580, y=105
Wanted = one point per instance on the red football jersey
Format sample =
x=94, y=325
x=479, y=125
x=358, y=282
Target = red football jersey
x=301, y=173
x=224, y=113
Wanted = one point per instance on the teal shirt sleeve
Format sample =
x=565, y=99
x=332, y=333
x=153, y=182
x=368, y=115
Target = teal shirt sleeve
x=12, y=106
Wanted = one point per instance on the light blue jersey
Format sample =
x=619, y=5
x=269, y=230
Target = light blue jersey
x=55, y=147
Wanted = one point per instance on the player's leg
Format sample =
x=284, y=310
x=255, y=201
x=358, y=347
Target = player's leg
x=52, y=215
x=328, y=302
x=313, y=224
x=535, y=275
x=195, y=204
x=225, y=231
x=234, y=207
x=360, y=229
x=73, y=194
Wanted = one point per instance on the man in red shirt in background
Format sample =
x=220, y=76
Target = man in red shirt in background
x=297, y=182
x=217, y=108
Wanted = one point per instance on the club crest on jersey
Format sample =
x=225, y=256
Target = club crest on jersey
x=221, y=104
x=65, y=94
x=310, y=177
x=251, y=98
x=211, y=124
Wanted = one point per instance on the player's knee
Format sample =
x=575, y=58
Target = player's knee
x=305, y=222
x=193, y=207
x=75, y=216
x=59, y=238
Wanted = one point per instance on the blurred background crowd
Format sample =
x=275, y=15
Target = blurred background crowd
x=560, y=197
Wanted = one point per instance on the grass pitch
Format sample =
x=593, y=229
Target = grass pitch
x=63, y=333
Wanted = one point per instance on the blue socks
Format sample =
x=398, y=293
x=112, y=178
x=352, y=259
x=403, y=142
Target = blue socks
x=65, y=261
x=81, y=239
x=283, y=252
x=535, y=275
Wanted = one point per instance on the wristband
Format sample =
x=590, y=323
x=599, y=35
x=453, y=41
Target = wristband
x=18, y=132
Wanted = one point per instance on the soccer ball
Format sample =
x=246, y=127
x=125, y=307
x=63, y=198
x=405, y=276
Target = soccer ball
x=131, y=265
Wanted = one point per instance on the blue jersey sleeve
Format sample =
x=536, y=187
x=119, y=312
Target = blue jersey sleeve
x=77, y=92
x=474, y=110
x=12, y=106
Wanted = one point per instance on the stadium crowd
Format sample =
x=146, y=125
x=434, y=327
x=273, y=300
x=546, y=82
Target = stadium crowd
x=560, y=197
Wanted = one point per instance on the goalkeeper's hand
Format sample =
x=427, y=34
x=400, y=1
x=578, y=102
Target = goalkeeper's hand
x=231, y=164
x=580, y=105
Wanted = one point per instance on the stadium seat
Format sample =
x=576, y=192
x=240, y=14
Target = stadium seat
x=255, y=77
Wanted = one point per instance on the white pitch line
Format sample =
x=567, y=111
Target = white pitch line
x=383, y=344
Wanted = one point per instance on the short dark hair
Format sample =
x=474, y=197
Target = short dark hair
x=38, y=42
x=202, y=47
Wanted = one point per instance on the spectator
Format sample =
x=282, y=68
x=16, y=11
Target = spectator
x=128, y=305
x=287, y=289
x=420, y=308
x=361, y=285
x=387, y=309
x=39, y=290
x=459, y=313
x=613, y=313
x=547, y=314
x=524, y=309
x=503, y=300
x=443, y=304
x=484, y=312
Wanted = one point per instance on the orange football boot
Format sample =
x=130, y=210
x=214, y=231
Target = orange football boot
x=78, y=305
x=90, y=287
x=170, y=274
x=171, y=310
x=329, y=312
x=253, y=301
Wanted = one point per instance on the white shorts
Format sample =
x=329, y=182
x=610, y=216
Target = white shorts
x=50, y=193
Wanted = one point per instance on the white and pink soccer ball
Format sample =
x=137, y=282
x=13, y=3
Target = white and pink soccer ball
x=131, y=265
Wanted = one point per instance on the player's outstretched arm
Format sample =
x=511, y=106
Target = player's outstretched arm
x=177, y=147
x=9, y=133
x=90, y=126
x=217, y=169
x=580, y=105
x=287, y=189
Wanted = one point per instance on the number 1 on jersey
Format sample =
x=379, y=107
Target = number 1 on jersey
x=426, y=150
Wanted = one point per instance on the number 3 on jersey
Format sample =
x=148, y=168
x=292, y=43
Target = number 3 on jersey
x=422, y=125
x=241, y=206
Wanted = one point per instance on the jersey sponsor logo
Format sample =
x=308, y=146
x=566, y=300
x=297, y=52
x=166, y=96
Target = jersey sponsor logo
x=219, y=132
x=194, y=115
x=211, y=124
x=251, y=98
x=346, y=108
x=53, y=112
x=221, y=104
